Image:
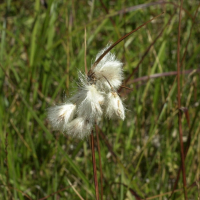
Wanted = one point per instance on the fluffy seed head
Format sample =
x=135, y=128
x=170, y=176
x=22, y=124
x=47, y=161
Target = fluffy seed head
x=114, y=106
x=96, y=91
x=108, y=68
x=89, y=102
x=79, y=127
x=60, y=115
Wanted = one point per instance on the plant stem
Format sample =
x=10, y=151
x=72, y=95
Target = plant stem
x=94, y=166
x=179, y=107
x=99, y=151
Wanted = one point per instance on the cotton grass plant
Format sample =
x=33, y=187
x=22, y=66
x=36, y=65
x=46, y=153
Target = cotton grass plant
x=96, y=97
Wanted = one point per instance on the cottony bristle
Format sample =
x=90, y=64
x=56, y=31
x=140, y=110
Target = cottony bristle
x=88, y=101
x=114, y=106
x=79, y=127
x=60, y=115
x=108, y=68
x=90, y=107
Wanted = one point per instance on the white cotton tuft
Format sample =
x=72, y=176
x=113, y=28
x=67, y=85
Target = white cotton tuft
x=108, y=68
x=89, y=102
x=83, y=82
x=60, y=115
x=114, y=106
x=79, y=128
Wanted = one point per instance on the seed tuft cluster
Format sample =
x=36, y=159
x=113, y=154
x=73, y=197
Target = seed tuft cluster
x=96, y=96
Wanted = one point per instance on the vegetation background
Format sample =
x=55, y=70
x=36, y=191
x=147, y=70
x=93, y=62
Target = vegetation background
x=41, y=50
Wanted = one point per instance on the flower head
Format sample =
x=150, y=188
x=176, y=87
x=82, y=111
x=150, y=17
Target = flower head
x=60, y=115
x=79, y=127
x=114, y=106
x=90, y=107
x=96, y=94
x=108, y=69
x=89, y=101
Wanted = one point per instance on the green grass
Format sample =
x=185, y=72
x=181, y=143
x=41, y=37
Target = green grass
x=41, y=51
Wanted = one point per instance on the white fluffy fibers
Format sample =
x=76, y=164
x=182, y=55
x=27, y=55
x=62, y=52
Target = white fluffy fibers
x=79, y=128
x=89, y=102
x=60, y=115
x=108, y=68
x=96, y=96
x=114, y=106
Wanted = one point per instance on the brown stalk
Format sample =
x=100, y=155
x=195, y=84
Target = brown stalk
x=126, y=88
x=100, y=166
x=92, y=136
x=186, y=150
x=158, y=75
x=179, y=107
x=94, y=166
x=118, y=41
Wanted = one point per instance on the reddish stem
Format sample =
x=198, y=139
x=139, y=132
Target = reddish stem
x=118, y=41
x=99, y=152
x=179, y=106
x=94, y=166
